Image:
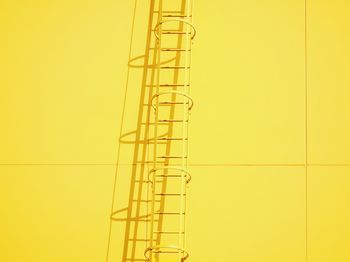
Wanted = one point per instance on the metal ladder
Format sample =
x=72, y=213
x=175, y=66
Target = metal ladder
x=168, y=177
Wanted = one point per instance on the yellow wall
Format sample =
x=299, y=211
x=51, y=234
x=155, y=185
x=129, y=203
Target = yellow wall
x=63, y=70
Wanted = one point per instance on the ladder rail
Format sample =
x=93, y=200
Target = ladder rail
x=188, y=31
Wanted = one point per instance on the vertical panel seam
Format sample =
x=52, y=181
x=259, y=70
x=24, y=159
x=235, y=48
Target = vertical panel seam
x=306, y=128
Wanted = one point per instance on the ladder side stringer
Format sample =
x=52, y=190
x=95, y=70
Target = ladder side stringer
x=173, y=170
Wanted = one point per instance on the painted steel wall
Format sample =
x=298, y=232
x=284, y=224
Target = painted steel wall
x=271, y=86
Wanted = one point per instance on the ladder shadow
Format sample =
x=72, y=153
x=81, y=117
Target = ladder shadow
x=130, y=215
x=133, y=215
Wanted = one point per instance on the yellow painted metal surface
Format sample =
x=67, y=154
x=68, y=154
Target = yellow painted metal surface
x=328, y=214
x=328, y=81
x=64, y=67
x=247, y=214
x=54, y=213
x=251, y=99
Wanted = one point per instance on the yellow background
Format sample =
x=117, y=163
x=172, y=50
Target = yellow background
x=266, y=107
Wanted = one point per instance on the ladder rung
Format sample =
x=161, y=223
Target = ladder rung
x=174, y=49
x=139, y=181
x=172, y=103
x=169, y=213
x=169, y=232
x=171, y=121
x=168, y=85
x=138, y=240
x=169, y=176
x=172, y=139
x=177, y=16
x=174, y=157
x=169, y=32
x=146, y=201
x=175, y=67
x=167, y=252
